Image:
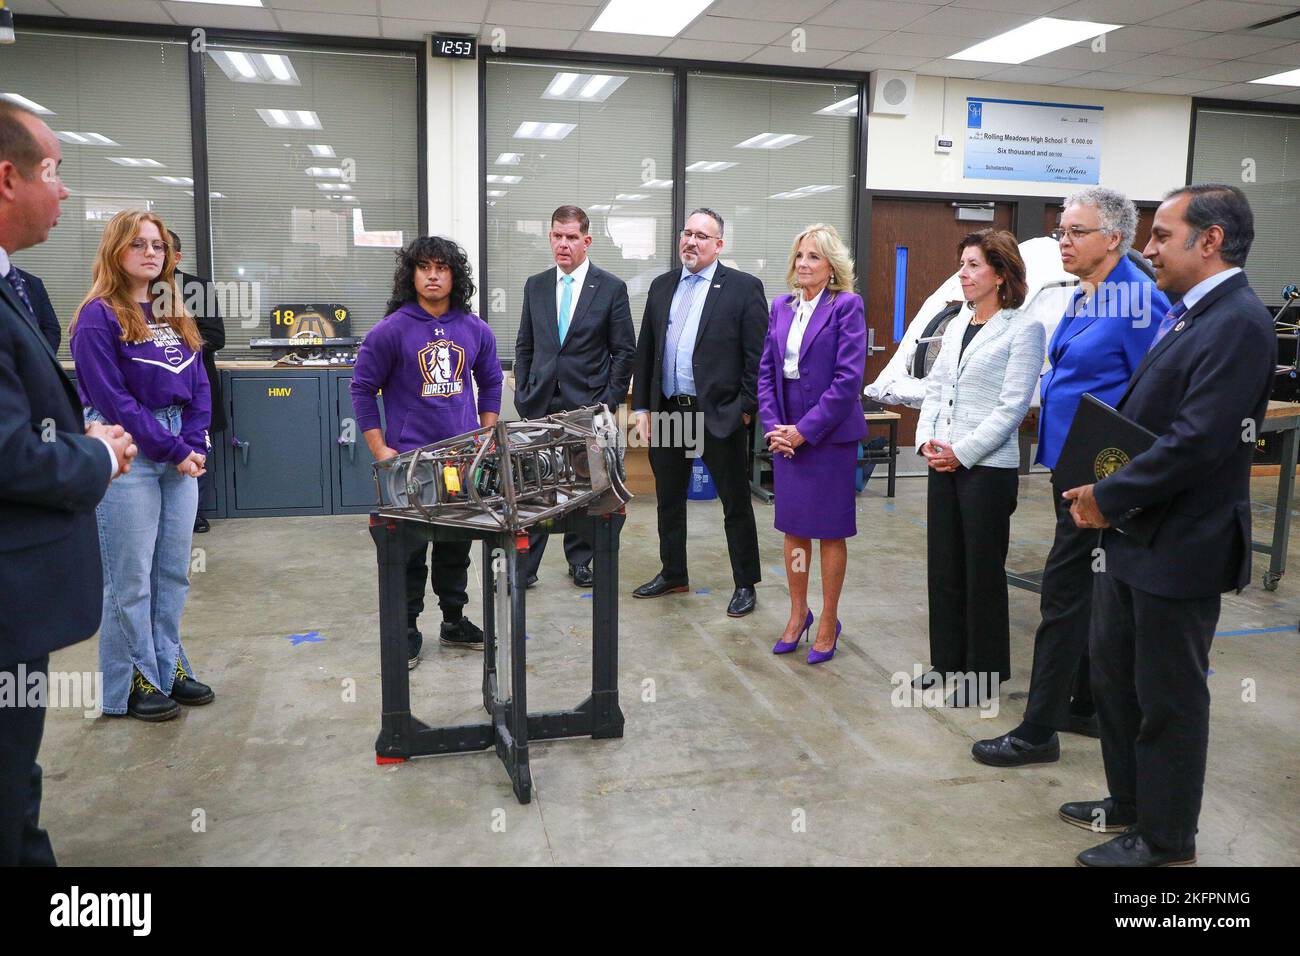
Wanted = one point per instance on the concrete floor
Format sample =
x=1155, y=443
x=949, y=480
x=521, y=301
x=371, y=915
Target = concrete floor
x=727, y=748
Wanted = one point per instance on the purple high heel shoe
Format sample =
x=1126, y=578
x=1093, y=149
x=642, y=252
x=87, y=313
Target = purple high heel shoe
x=817, y=657
x=782, y=647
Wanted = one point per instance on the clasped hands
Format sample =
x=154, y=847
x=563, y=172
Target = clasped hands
x=125, y=450
x=783, y=440
x=939, y=455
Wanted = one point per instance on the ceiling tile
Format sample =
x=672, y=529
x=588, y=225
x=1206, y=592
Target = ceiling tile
x=1083, y=58
x=733, y=30
x=1232, y=71
x=527, y=38
x=975, y=24
x=334, y=24
x=137, y=11
x=325, y=6
x=1035, y=8
x=1240, y=91
x=1158, y=64
x=872, y=14
x=1228, y=46
x=963, y=69
x=400, y=28
x=1119, y=11
x=1291, y=97
x=453, y=10
x=35, y=8
x=205, y=15
x=878, y=61
x=1141, y=39
x=840, y=38
x=919, y=44
x=1031, y=74
x=1219, y=15
x=1105, y=81
x=1174, y=85
x=551, y=16
x=796, y=10
x=1282, y=56
x=782, y=55
x=627, y=44
x=710, y=50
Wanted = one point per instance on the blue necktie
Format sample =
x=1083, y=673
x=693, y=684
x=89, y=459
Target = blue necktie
x=1171, y=318
x=566, y=303
x=20, y=287
x=676, y=325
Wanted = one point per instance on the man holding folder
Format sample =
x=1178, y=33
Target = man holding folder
x=1202, y=390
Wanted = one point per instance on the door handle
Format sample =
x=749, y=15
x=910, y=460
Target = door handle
x=243, y=448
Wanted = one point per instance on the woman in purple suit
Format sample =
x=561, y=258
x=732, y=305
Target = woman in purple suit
x=809, y=381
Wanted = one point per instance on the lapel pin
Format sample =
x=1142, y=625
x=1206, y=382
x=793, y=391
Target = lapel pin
x=1179, y=326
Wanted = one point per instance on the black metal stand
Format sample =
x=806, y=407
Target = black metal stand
x=402, y=736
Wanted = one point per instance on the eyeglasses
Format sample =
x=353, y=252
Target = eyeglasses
x=140, y=245
x=1074, y=232
x=697, y=236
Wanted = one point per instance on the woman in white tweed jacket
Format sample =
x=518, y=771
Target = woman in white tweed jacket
x=976, y=396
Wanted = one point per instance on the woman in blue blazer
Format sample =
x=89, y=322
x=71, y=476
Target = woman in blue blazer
x=809, y=381
x=976, y=396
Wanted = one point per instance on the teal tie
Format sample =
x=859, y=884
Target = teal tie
x=566, y=303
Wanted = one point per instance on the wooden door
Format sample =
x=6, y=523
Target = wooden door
x=929, y=230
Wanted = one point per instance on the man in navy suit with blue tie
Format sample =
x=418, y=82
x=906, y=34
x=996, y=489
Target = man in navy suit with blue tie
x=39, y=301
x=53, y=471
x=1203, y=390
x=1097, y=346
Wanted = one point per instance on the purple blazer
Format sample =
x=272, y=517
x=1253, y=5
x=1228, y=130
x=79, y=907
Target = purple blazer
x=825, y=402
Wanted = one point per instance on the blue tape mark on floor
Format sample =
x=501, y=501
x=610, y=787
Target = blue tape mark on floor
x=704, y=591
x=584, y=595
x=311, y=637
x=1259, y=630
x=889, y=507
x=775, y=570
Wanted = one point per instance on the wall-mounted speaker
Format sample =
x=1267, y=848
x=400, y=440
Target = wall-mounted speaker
x=891, y=91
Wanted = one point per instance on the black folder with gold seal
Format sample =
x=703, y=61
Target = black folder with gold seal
x=1100, y=442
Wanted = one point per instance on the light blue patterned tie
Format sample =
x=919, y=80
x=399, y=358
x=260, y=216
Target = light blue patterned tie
x=676, y=325
x=566, y=303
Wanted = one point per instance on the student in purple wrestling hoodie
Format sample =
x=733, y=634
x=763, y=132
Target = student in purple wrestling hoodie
x=137, y=353
x=422, y=355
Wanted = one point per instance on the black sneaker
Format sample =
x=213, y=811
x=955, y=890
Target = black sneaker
x=147, y=702
x=187, y=690
x=463, y=633
x=414, y=642
x=201, y=525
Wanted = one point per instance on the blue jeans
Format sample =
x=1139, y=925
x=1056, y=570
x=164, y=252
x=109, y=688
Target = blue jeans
x=146, y=527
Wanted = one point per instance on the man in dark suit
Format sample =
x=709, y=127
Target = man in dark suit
x=1203, y=390
x=41, y=306
x=53, y=471
x=575, y=348
x=201, y=299
x=697, y=357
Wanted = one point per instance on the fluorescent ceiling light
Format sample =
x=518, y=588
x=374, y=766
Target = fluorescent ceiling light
x=508, y=180
x=174, y=180
x=280, y=67
x=323, y=171
x=560, y=85
x=706, y=166
x=1290, y=78
x=132, y=161
x=582, y=87
x=85, y=139
x=320, y=149
x=604, y=207
x=509, y=159
x=24, y=101
x=1034, y=39
x=658, y=184
x=289, y=119
x=250, y=66
x=803, y=191
x=631, y=197
x=772, y=141
x=551, y=131
x=845, y=107
x=334, y=187
x=665, y=18
x=496, y=193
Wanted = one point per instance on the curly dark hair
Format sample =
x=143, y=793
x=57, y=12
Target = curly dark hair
x=431, y=249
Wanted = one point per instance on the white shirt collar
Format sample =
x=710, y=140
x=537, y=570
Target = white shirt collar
x=1199, y=291
x=809, y=304
x=5, y=265
x=579, y=274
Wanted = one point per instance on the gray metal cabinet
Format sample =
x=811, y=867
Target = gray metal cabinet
x=277, y=454
x=354, y=485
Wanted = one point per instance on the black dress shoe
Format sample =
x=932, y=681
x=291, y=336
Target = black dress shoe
x=1008, y=751
x=186, y=690
x=1085, y=725
x=201, y=525
x=530, y=582
x=463, y=633
x=581, y=575
x=414, y=643
x=743, y=600
x=1104, y=816
x=660, y=586
x=1130, y=849
x=147, y=702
